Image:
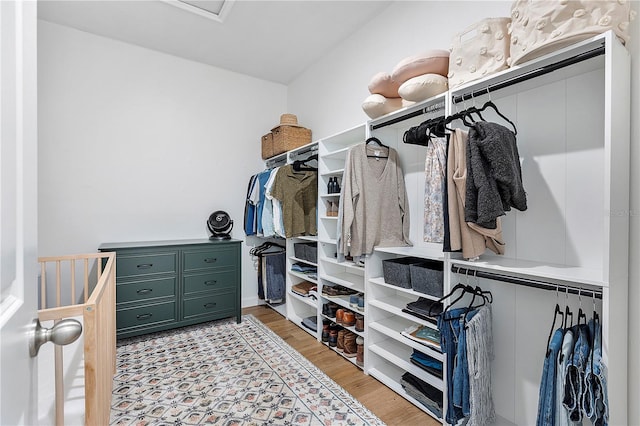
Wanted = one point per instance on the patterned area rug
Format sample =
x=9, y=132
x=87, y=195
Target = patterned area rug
x=224, y=373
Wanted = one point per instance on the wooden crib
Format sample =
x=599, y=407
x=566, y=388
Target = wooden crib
x=91, y=296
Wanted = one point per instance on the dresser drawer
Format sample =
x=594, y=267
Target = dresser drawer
x=145, y=264
x=135, y=291
x=209, y=305
x=211, y=258
x=146, y=315
x=210, y=281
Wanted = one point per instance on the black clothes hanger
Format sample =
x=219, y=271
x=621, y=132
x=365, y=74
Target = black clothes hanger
x=556, y=312
x=262, y=248
x=490, y=104
x=376, y=140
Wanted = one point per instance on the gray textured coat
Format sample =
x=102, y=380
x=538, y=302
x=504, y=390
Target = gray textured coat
x=494, y=177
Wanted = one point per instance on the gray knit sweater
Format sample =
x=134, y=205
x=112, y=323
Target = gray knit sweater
x=494, y=177
x=374, y=209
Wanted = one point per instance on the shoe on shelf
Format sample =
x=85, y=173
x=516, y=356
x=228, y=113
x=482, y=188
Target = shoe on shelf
x=337, y=291
x=339, y=315
x=350, y=346
x=340, y=340
x=325, y=330
x=353, y=300
x=359, y=322
x=361, y=302
x=348, y=319
x=333, y=337
x=360, y=351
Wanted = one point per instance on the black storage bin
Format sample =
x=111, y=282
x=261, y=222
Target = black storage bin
x=427, y=277
x=396, y=271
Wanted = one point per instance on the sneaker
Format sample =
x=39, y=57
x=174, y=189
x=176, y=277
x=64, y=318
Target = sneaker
x=350, y=346
x=353, y=300
x=361, y=303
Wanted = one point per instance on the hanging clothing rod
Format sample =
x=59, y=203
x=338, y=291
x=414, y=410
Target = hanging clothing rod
x=532, y=74
x=527, y=282
x=425, y=110
x=310, y=149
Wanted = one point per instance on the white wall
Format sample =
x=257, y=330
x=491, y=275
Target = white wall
x=337, y=85
x=136, y=145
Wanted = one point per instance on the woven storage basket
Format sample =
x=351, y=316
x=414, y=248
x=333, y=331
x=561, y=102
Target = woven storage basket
x=286, y=138
x=267, y=146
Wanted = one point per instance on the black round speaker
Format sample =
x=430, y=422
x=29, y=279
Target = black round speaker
x=220, y=225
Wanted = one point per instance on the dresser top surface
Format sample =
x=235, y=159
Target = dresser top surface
x=165, y=243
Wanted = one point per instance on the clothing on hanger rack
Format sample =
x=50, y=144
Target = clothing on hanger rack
x=377, y=153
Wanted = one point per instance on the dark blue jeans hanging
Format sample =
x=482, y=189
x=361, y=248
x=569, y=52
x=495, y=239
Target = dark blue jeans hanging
x=547, y=397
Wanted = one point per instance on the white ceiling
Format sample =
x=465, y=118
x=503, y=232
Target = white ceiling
x=270, y=40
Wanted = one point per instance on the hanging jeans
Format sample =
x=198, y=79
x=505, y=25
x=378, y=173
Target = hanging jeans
x=547, y=397
x=575, y=374
x=274, y=275
x=594, y=403
x=451, y=326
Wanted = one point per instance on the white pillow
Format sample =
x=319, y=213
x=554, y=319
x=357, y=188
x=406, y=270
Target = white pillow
x=377, y=105
x=423, y=87
x=430, y=62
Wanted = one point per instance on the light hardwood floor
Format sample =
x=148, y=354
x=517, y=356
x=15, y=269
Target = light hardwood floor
x=379, y=399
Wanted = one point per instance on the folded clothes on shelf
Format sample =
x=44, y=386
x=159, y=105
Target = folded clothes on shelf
x=303, y=267
x=427, y=363
x=303, y=288
x=336, y=291
x=423, y=392
x=425, y=309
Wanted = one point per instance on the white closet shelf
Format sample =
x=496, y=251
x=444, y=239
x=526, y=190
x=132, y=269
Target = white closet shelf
x=380, y=281
x=298, y=321
x=335, y=172
x=338, y=153
x=306, y=262
x=308, y=237
x=279, y=308
x=306, y=300
x=393, y=327
x=304, y=277
x=333, y=218
x=352, y=360
x=395, y=305
x=346, y=264
x=342, y=301
x=328, y=241
x=344, y=279
x=428, y=251
x=399, y=356
x=537, y=270
x=336, y=195
x=394, y=385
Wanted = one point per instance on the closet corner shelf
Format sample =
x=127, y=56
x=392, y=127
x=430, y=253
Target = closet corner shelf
x=397, y=388
x=381, y=282
x=537, y=270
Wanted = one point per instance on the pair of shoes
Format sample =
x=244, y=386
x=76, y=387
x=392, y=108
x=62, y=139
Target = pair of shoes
x=360, y=351
x=336, y=291
x=346, y=343
x=348, y=319
x=329, y=309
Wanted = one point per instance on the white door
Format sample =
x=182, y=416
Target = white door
x=18, y=210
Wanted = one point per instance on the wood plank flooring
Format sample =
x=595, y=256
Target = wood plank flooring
x=379, y=399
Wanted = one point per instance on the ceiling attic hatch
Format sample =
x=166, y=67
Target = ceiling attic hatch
x=212, y=9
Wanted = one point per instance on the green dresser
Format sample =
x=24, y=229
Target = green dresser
x=167, y=284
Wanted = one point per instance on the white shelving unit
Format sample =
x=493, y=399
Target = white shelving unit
x=573, y=139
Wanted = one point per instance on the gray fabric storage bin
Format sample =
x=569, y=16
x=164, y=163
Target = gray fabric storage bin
x=427, y=277
x=299, y=250
x=311, y=252
x=396, y=271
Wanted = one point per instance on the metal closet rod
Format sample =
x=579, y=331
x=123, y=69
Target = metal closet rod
x=425, y=110
x=527, y=282
x=532, y=74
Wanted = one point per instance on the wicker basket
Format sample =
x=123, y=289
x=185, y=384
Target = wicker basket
x=286, y=138
x=267, y=146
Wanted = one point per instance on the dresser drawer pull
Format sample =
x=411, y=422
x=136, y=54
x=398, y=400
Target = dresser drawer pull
x=144, y=291
x=144, y=316
x=144, y=266
x=211, y=260
x=210, y=305
x=210, y=282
